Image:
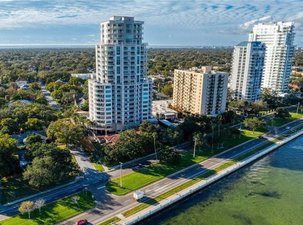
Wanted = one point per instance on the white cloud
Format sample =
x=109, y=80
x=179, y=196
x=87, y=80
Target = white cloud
x=217, y=17
x=183, y=14
x=248, y=25
x=298, y=20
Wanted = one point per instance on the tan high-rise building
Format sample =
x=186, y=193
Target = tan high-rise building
x=200, y=91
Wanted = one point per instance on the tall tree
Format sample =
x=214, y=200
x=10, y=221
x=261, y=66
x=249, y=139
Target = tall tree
x=253, y=123
x=8, y=150
x=50, y=165
x=65, y=132
x=199, y=139
x=39, y=204
x=26, y=207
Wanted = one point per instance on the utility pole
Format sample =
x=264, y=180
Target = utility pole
x=298, y=107
x=121, y=174
x=194, y=154
x=154, y=136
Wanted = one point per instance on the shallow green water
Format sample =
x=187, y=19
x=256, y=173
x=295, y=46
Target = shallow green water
x=268, y=192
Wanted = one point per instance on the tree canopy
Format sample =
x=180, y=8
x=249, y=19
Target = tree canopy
x=8, y=150
x=50, y=165
x=64, y=131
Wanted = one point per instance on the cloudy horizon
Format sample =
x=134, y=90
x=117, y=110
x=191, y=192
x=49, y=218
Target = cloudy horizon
x=167, y=22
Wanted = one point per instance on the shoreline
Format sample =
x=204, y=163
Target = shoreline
x=144, y=214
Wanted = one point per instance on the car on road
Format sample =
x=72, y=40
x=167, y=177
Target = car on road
x=82, y=222
x=138, y=195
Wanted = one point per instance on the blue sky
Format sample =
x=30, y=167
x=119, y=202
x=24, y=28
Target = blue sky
x=167, y=22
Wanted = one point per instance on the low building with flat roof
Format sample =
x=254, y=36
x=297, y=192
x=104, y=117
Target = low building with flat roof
x=84, y=76
x=161, y=110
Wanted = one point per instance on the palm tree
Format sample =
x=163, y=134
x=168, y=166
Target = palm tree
x=199, y=139
x=219, y=119
x=213, y=126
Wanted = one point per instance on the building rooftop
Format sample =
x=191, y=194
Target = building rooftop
x=160, y=109
x=109, y=139
x=203, y=70
x=244, y=43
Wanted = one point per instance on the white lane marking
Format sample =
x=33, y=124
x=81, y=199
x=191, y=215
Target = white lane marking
x=100, y=187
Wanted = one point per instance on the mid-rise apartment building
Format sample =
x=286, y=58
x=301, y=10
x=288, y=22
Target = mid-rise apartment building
x=120, y=96
x=278, y=39
x=200, y=91
x=247, y=70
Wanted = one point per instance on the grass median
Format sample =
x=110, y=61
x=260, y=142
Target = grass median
x=55, y=212
x=277, y=122
x=110, y=221
x=150, y=174
x=156, y=200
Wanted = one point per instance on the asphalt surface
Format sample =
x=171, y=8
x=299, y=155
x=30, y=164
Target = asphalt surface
x=109, y=205
x=49, y=98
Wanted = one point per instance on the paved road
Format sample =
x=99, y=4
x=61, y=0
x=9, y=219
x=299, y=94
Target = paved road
x=109, y=205
x=83, y=160
x=49, y=98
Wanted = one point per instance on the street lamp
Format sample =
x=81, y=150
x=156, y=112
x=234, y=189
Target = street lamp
x=298, y=107
x=194, y=154
x=154, y=136
x=121, y=164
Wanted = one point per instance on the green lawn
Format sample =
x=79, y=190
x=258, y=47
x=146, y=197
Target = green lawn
x=54, y=212
x=246, y=135
x=277, y=122
x=98, y=166
x=110, y=221
x=63, y=146
x=148, y=175
x=15, y=188
x=156, y=200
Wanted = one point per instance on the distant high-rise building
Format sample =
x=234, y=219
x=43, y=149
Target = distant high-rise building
x=120, y=96
x=200, y=91
x=278, y=39
x=247, y=70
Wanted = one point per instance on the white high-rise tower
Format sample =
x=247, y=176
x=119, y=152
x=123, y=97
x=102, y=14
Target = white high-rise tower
x=278, y=39
x=120, y=96
x=247, y=70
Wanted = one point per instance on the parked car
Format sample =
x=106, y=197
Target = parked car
x=82, y=222
x=138, y=195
